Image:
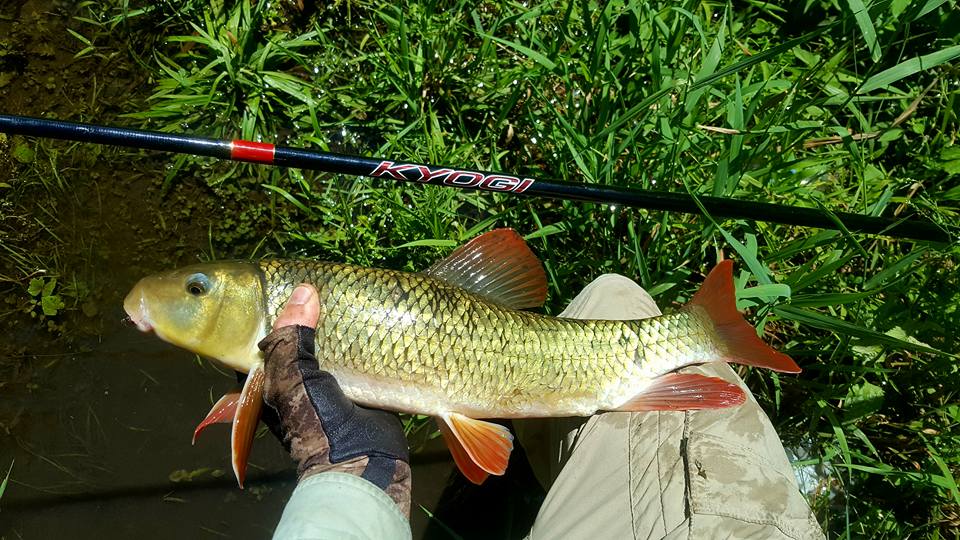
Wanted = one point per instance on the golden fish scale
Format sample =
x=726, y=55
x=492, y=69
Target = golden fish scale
x=678, y=339
x=412, y=331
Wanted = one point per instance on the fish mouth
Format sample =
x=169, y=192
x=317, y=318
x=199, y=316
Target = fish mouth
x=136, y=310
x=141, y=324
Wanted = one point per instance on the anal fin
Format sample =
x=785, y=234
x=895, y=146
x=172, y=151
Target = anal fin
x=222, y=412
x=684, y=392
x=460, y=456
x=245, y=421
x=486, y=445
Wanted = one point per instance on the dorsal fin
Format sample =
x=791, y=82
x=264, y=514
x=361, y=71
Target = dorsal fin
x=497, y=265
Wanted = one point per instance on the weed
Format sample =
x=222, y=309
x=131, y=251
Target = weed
x=44, y=296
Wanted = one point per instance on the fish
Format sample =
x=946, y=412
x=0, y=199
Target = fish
x=456, y=342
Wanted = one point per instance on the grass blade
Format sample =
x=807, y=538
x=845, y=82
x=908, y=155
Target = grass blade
x=909, y=67
x=293, y=200
x=862, y=15
x=526, y=51
x=833, y=324
x=752, y=60
x=949, y=480
x=428, y=243
x=929, y=6
x=3, y=485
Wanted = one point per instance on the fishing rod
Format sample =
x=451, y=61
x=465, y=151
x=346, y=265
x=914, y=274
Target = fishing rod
x=269, y=154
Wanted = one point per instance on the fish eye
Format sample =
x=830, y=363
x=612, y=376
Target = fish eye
x=198, y=284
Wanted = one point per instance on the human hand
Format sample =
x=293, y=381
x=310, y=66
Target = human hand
x=322, y=428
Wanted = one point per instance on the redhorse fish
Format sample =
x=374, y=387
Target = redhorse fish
x=453, y=342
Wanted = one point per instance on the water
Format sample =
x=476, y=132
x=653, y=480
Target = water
x=102, y=437
x=106, y=431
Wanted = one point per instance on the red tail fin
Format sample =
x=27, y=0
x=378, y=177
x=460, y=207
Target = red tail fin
x=717, y=297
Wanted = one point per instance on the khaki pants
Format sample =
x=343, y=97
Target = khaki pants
x=718, y=473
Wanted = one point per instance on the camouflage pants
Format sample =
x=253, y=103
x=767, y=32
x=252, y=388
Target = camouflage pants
x=697, y=474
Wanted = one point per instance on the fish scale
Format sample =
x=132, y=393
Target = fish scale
x=392, y=338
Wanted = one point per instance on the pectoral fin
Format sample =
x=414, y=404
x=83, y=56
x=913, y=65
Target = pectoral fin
x=684, y=392
x=222, y=412
x=479, y=448
x=245, y=421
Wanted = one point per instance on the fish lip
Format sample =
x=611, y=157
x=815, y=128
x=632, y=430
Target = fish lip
x=141, y=324
x=137, y=313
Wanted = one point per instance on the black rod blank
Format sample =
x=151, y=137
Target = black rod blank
x=264, y=153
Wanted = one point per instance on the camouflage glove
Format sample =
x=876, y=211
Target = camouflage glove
x=322, y=428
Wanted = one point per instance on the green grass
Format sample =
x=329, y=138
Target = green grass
x=6, y=478
x=29, y=243
x=850, y=106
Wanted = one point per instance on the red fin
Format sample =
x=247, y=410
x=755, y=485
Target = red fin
x=718, y=298
x=684, y=392
x=488, y=445
x=222, y=412
x=245, y=421
x=466, y=465
x=498, y=266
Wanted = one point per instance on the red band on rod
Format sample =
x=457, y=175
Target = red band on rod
x=251, y=151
